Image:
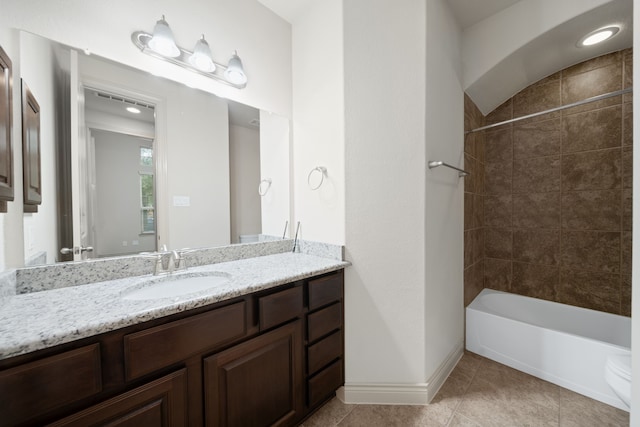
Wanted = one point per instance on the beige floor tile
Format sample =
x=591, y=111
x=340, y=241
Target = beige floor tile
x=462, y=421
x=501, y=396
x=329, y=415
x=392, y=416
x=577, y=410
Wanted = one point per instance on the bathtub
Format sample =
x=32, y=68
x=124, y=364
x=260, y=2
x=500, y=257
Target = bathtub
x=559, y=343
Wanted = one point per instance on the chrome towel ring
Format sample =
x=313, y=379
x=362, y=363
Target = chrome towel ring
x=323, y=172
x=263, y=189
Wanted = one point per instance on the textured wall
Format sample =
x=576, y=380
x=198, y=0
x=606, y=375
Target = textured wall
x=557, y=190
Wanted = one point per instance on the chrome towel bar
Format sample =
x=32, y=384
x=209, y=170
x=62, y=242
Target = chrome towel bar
x=436, y=163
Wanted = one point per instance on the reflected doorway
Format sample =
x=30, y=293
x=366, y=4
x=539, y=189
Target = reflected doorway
x=117, y=196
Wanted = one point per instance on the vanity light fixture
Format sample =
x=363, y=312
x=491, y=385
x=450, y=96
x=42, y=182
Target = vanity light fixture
x=161, y=45
x=598, y=36
x=133, y=110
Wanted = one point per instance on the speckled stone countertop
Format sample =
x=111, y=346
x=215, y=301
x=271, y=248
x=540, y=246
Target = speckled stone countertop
x=33, y=321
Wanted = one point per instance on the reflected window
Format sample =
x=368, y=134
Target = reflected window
x=146, y=156
x=147, y=209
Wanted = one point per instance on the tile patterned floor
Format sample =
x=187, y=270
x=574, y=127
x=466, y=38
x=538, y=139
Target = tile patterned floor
x=481, y=393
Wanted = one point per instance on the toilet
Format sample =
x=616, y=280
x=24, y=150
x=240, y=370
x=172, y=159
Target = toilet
x=617, y=373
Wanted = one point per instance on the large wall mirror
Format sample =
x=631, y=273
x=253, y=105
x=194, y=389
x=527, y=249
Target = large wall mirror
x=133, y=162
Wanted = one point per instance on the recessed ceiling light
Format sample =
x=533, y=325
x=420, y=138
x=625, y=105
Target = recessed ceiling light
x=133, y=110
x=598, y=36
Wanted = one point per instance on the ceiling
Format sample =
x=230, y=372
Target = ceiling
x=469, y=12
x=239, y=114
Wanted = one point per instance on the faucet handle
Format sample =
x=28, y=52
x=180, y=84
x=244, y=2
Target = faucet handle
x=158, y=266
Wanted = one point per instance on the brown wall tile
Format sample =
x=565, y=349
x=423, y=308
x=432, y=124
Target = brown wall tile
x=536, y=246
x=597, y=291
x=627, y=241
x=478, y=210
x=592, y=130
x=471, y=166
x=497, y=211
x=501, y=113
x=627, y=67
x=591, y=251
x=627, y=209
x=497, y=274
x=592, y=210
x=538, y=281
x=591, y=83
x=468, y=211
x=627, y=124
x=473, y=282
x=536, y=210
x=468, y=248
x=540, y=174
x=627, y=167
x=609, y=59
x=592, y=170
x=536, y=139
x=520, y=230
x=625, y=297
x=537, y=98
x=498, y=243
x=478, y=245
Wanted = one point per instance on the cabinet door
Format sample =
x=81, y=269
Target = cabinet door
x=158, y=403
x=256, y=383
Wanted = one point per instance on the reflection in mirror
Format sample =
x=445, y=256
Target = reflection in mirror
x=209, y=156
x=116, y=191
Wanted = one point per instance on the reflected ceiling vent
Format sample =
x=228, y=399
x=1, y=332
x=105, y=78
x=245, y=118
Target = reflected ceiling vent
x=255, y=122
x=122, y=100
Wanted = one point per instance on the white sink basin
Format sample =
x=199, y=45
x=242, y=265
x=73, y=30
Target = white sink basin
x=176, y=286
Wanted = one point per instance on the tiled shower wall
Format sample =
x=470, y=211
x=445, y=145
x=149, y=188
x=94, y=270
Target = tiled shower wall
x=555, y=191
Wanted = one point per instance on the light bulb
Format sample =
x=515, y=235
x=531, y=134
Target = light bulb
x=162, y=41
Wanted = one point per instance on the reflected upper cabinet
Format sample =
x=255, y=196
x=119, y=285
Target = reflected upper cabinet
x=6, y=147
x=31, y=150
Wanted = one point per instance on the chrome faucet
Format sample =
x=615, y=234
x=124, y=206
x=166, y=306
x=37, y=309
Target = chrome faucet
x=177, y=261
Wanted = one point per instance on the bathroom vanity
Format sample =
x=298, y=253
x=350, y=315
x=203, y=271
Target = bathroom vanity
x=268, y=353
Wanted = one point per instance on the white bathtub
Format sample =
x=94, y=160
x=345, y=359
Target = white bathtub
x=559, y=343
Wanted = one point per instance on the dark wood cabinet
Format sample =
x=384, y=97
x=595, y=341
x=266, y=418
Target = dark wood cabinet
x=262, y=359
x=159, y=403
x=257, y=383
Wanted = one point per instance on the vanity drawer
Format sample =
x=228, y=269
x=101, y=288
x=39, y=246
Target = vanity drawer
x=325, y=383
x=324, y=321
x=159, y=347
x=323, y=352
x=280, y=307
x=38, y=387
x=325, y=290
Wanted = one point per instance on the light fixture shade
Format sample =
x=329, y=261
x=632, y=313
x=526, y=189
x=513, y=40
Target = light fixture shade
x=234, y=72
x=162, y=41
x=201, y=57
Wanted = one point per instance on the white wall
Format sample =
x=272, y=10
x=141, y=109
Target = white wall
x=38, y=72
x=118, y=194
x=318, y=115
x=635, y=273
x=244, y=175
x=105, y=29
x=385, y=57
x=444, y=313
x=275, y=149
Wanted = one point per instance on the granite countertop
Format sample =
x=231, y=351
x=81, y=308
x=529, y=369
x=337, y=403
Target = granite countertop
x=38, y=320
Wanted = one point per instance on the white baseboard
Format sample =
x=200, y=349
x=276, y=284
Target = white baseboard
x=400, y=394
